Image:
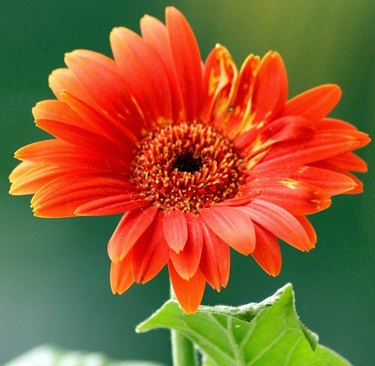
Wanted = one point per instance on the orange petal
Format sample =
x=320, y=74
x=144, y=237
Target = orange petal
x=241, y=117
x=121, y=275
x=63, y=80
x=267, y=251
x=100, y=78
x=321, y=146
x=132, y=225
x=309, y=229
x=82, y=137
x=150, y=254
x=144, y=75
x=155, y=35
x=187, y=261
x=219, y=85
x=111, y=205
x=215, y=262
x=292, y=128
x=60, y=153
x=356, y=185
x=187, y=61
x=296, y=196
x=280, y=223
x=348, y=161
x=118, y=135
x=334, y=129
x=21, y=169
x=270, y=89
x=315, y=103
x=35, y=177
x=332, y=182
x=175, y=230
x=62, y=196
x=56, y=110
x=232, y=225
x=334, y=123
x=189, y=293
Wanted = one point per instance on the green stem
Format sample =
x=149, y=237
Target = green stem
x=183, y=352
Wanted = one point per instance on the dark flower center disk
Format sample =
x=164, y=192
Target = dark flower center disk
x=186, y=167
x=187, y=162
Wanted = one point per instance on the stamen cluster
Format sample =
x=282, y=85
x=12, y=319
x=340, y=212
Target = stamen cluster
x=187, y=167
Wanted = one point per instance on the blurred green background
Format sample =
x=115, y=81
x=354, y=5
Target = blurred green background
x=54, y=284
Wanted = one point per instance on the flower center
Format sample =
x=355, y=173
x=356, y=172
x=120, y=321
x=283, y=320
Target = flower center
x=186, y=167
x=187, y=162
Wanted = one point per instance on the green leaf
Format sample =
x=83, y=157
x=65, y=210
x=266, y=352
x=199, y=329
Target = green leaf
x=267, y=333
x=51, y=356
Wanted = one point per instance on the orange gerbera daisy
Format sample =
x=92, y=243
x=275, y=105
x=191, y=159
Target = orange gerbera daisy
x=198, y=157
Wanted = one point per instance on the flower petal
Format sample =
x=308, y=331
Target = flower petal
x=111, y=205
x=28, y=177
x=330, y=181
x=280, y=223
x=270, y=89
x=60, y=153
x=310, y=231
x=121, y=277
x=356, y=186
x=329, y=123
x=119, y=136
x=315, y=103
x=232, y=225
x=150, y=254
x=175, y=230
x=267, y=251
x=187, y=61
x=57, y=110
x=155, y=35
x=348, y=161
x=100, y=78
x=362, y=138
x=132, y=225
x=321, y=146
x=219, y=85
x=187, y=261
x=215, y=262
x=63, y=80
x=144, y=75
x=189, y=293
x=292, y=128
x=296, y=196
x=21, y=169
x=62, y=196
x=72, y=133
x=241, y=118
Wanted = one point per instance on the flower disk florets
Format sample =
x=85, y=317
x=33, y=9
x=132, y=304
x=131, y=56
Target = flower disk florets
x=186, y=167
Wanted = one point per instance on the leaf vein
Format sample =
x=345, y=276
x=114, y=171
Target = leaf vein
x=249, y=333
x=266, y=349
x=203, y=340
x=290, y=353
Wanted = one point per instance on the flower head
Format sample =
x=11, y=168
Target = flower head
x=198, y=157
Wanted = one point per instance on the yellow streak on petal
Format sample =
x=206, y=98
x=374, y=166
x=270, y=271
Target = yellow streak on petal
x=289, y=183
x=254, y=161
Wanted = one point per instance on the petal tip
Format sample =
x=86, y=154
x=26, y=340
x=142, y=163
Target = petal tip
x=171, y=9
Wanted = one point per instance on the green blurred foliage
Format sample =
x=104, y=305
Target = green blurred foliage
x=54, y=273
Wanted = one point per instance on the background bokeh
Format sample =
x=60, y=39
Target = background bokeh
x=54, y=273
